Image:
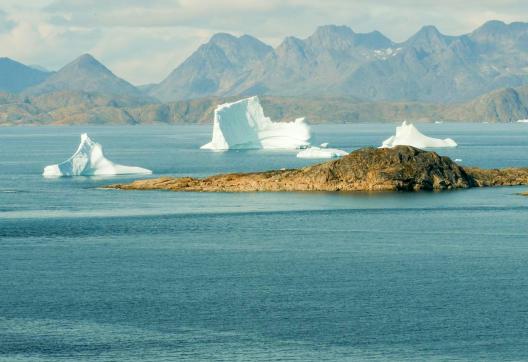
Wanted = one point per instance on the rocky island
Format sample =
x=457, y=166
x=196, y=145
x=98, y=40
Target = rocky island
x=402, y=168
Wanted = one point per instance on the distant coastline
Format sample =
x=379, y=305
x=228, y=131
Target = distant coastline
x=79, y=108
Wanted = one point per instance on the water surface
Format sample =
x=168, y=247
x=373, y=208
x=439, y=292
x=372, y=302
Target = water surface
x=90, y=274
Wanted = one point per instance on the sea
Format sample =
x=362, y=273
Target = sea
x=88, y=274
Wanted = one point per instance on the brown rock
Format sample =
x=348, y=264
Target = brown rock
x=402, y=168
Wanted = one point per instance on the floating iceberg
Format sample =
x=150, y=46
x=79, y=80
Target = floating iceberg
x=408, y=135
x=321, y=152
x=522, y=121
x=89, y=160
x=242, y=125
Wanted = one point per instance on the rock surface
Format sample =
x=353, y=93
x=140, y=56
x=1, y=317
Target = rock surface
x=402, y=168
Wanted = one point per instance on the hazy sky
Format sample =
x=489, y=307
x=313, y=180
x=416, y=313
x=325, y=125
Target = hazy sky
x=143, y=40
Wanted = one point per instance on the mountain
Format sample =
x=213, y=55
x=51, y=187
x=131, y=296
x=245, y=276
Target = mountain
x=73, y=107
x=313, y=66
x=15, y=76
x=338, y=62
x=503, y=105
x=85, y=74
x=214, y=67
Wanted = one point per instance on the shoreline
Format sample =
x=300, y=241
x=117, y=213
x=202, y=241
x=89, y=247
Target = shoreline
x=402, y=168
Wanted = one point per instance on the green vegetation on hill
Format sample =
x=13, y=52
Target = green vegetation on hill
x=74, y=107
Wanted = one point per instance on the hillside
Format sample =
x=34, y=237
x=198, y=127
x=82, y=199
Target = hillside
x=74, y=107
x=15, y=76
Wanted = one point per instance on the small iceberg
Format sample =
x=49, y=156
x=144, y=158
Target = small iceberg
x=408, y=135
x=89, y=160
x=321, y=152
x=522, y=121
x=242, y=125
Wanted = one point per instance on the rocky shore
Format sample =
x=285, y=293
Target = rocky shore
x=402, y=168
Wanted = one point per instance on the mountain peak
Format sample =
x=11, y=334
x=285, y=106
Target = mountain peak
x=292, y=40
x=213, y=67
x=428, y=31
x=235, y=47
x=290, y=45
x=373, y=40
x=492, y=26
x=15, y=76
x=222, y=38
x=86, y=57
x=498, y=31
x=86, y=74
x=339, y=30
x=86, y=61
x=342, y=37
x=429, y=37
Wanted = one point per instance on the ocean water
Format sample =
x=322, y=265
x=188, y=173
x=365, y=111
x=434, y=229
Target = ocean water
x=102, y=275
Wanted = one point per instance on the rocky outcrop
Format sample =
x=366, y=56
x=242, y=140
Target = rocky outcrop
x=402, y=168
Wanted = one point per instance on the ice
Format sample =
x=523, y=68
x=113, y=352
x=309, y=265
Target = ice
x=242, y=125
x=522, y=121
x=321, y=152
x=408, y=135
x=89, y=160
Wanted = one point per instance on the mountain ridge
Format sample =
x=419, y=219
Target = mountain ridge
x=15, y=76
x=336, y=61
x=84, y=73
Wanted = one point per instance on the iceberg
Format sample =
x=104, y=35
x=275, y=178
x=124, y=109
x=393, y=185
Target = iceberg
x=408, y=135
x=522, y=121
x=242, y=125
x=89, y=160
x=321, y=152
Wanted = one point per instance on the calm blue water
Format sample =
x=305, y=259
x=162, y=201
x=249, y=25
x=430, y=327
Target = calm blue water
x=90, y=274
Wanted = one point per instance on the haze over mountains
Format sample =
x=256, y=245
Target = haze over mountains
x=15, y=76
x=480, y=74
x=84, y=74
x=336, y=61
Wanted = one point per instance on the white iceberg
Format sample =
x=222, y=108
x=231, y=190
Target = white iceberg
x=89, y=160
x=522, y=121
x=242, y=125
x=321, y=152
x=408, y=135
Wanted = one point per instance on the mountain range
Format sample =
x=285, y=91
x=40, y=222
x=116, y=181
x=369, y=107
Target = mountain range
x=335, y=61
x=480, y=74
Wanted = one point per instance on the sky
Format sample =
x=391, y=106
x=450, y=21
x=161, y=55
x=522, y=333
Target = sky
x=142, y=41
